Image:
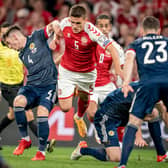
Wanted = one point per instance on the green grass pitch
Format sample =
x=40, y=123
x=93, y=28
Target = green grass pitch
x=60, y=158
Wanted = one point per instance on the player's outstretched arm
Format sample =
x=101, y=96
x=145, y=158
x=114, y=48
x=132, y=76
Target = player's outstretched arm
x=53, y=27
x=116, y=60
x=128, y=69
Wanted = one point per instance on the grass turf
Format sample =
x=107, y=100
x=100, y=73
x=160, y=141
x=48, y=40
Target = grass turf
x=60, y=158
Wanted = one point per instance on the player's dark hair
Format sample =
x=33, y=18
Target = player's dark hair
x=103, y=16
x=150, y=22
x=11, y=29
x=4, y=25
x=77, y=11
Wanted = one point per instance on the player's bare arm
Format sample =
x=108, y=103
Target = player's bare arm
x=116, y=60
x=128, y=69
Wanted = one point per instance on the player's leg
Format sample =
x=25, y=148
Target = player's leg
x=66, y=87
x=43, y=132
x=129, y=138
x=9, y=93
x=139, y=109
x=85, y=83
x=20, y=103
x=31, y=122
x=78, y=117
x=107, y=132
x=46, y=102
x=82, y=149
x=155, y=132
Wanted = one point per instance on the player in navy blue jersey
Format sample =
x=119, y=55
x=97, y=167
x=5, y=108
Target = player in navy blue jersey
x=150, y=54
x=40, y=89
x=113, y=113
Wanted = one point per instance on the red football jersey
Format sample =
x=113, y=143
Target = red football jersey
x=80, y=48
x=103, y=67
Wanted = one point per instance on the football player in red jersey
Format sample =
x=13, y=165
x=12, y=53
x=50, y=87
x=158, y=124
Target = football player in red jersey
x=103, y=85
x=78, y=63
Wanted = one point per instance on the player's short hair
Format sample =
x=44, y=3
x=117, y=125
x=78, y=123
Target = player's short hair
x=77, y=11
x=103, y=16
x=12, y=29
x=4, y=25
x=150, y=22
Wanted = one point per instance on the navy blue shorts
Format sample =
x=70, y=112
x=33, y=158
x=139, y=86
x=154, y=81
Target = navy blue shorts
x=107, y=129
x=44, y=96
x=147, y=96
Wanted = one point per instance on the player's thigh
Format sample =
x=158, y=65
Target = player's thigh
x=47, y=99
x=107, y=130
x=114, y=153
x=26, y=97
x=66, y=83
x=92, y=108
x=86, y=82
x=65, y=104
x=144, y=100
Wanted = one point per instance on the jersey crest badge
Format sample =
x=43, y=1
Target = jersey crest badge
x=84, y=40
x=68, y=35
x=33, y=48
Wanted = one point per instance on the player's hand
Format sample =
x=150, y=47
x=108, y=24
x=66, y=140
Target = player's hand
x=52, y=45
x=140, y=142
x=126, y=88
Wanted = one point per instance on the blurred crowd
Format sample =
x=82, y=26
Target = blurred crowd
x=125, y=14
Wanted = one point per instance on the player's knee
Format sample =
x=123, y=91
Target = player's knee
x=90, y=114
x=114, y=158
x=65, y=108
x=20, y=101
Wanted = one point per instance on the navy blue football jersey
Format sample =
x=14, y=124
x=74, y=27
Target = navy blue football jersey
x=37, y=58
x=116, y=106
x=152, y=57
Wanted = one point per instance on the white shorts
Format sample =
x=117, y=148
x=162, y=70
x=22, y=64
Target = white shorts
x=101, y=92
x=68, y=80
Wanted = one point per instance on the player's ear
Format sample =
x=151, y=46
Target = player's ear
x=159, y=31
x=141, y=32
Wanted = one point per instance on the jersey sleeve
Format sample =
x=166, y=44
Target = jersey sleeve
x=40, y=34
x=131, y=48
x=65, y=23
x=120, y=52
x=96, y=35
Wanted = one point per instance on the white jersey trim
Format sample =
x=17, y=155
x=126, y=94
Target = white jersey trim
x=96, y=35
x=65, y=23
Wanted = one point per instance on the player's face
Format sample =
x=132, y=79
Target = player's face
x=13, y=42
x=104, y=26
x=77, y=24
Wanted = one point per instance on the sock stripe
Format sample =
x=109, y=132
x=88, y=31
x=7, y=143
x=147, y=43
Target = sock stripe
x=42, y=119
x=18, y=109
